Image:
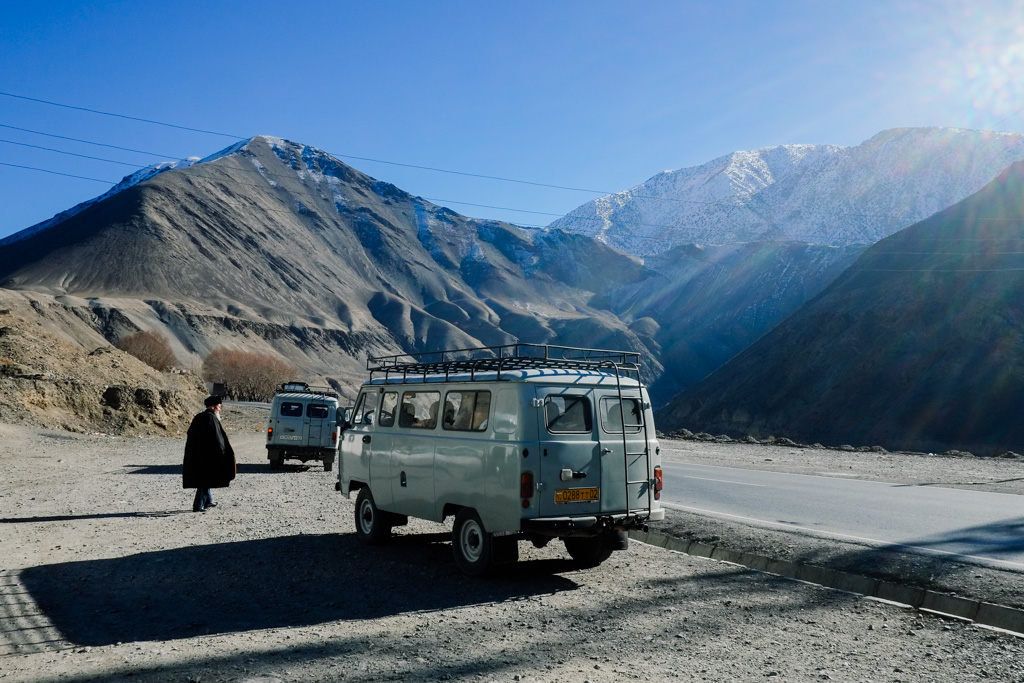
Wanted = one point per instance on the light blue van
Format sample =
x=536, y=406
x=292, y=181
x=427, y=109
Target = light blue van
x=303, y=425
x=519, y=442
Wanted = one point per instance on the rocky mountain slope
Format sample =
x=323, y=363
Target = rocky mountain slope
x=918, y=345
x=277, y=247
x=821, y=194
x=58, y=371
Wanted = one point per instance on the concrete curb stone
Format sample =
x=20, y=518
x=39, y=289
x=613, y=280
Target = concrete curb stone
x=983, y=613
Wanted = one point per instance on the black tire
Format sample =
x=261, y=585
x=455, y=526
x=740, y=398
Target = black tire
x=471, y=544
x=372, y=527
x=588, y=551
x=276, y=461
x=328, y=464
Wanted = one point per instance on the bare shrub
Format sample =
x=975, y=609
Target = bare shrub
x=247, y=376
x=151, y=348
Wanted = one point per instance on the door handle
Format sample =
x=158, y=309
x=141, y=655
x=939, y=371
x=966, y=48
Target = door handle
x=366, y=438
x=606, y=450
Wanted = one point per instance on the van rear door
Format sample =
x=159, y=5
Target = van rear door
x=570, y=460
x=317, y=420
x=623, y=450
x=290, y=422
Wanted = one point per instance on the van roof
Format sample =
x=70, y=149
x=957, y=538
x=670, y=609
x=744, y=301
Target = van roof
x=305, y=395
x=513, y=362
x=538, y=375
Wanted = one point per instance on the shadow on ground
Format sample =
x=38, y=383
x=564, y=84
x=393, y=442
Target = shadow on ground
x=243, y=468
x=271, y=583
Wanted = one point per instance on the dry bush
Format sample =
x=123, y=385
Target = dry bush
x=247, y=376
x=151, y=348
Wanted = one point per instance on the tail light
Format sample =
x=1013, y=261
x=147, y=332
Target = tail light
x=659, y=482
x=334, y=437
x=270, y=433
x=526, y=487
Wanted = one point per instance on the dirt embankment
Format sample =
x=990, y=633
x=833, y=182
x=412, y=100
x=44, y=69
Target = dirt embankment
x=58, y=372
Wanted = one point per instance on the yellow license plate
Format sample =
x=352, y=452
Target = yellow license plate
x=577, y=495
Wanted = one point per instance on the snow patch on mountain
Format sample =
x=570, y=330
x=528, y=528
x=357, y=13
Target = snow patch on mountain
x=821, y=194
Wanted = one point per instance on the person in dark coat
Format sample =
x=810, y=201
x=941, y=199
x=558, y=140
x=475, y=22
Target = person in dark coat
x=209, y=459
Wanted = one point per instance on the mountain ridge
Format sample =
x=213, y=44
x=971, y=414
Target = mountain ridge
x=917, y=345
x=280, y=238
x=820, y=194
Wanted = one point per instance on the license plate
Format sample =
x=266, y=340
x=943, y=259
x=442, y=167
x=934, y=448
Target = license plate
x=577, y=495
x=297, y=437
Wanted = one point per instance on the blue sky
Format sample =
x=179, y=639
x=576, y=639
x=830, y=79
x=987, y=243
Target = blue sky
x=592, y=95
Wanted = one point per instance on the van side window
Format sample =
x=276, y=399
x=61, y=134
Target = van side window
x=365, y=405
x=419, y=409
x=466, y=411
x=317, y=411
x=387, y=409
x=611, y=415
x=567, y=414
x=291, y=409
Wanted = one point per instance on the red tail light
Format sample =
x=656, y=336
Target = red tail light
x=659, y=482
x=526, y=485
x=334, y=437
x=270, y=433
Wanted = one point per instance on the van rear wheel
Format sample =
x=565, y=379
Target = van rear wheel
x=372, y=527
x=589, y=551
x=471, y=544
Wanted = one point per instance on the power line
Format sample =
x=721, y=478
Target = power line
x=46, y=170
x=71, y=154
x=343, y=156
x=87, y=142
x=429, y=168
x=121, y=116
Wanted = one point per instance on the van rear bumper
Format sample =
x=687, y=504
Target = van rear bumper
x=555, y=526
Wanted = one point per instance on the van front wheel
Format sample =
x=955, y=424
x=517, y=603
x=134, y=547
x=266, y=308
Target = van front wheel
x=371, y=527
x=471, y=544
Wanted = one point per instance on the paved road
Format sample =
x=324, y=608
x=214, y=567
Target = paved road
x=984, y=526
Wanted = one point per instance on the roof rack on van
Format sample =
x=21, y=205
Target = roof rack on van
x=505, y=358
x=303, y=388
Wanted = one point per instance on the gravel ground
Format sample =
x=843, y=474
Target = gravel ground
x=108, y=575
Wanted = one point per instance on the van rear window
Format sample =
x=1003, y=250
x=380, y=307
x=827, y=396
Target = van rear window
x=291, y=409
x=317, y=411
x=568, y=414
x=612, y=415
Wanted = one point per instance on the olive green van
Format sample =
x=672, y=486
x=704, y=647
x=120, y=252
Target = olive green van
x=519, y=442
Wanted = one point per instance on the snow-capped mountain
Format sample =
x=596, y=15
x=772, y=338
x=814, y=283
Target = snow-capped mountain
x=277, y=246
x=915, y=346
x=820, y=194
x=126, y=182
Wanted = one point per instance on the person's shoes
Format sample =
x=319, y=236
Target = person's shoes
x=210, y=505
x=198, y=509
